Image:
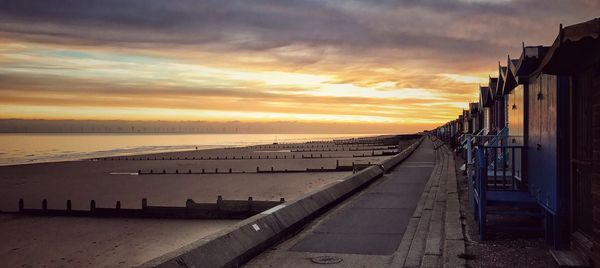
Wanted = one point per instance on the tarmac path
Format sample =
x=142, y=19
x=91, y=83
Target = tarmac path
x=370, y=225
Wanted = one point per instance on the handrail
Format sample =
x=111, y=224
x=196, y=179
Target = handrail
x=508, y=170
x=502, y=134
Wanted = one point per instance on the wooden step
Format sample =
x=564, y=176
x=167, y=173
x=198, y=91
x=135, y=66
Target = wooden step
x=569, y=258
x=516, y=213
x=516, y=228
x=510, y=197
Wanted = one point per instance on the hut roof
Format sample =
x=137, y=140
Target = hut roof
x=500, y=85
x=510, y=81
x=485, y=98
x=575, y=48
x=530, y=60
x=473, y=107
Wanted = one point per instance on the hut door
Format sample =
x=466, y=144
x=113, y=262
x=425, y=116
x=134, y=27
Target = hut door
x=582, y=149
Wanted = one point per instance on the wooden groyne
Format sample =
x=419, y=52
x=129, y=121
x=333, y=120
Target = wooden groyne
x=222, y=209
x=338, y=168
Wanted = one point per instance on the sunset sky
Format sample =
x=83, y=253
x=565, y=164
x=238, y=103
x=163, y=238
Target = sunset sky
x=404, y=62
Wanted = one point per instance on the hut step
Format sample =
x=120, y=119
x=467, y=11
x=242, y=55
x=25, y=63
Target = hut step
x=569, y=258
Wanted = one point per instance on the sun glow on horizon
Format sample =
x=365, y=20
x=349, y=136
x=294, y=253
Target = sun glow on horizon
x=97, y=84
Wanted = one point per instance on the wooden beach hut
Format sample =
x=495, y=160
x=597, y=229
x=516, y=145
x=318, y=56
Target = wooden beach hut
x=574, y=59
x=475, y=115
x=498, y=103
x=485, y=103
x=553, y=119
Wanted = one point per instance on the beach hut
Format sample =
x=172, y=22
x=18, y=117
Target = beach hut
x=485, y=103
x=574, y=60
x=475, y=120
x=467, y=128
x=521, y=166
x=498, y=103
x=491, y=104
x=518, y=91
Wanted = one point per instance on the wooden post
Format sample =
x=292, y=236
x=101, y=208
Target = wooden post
x=69, y=207
x=92, y=205
x=144, y=203
x=44, y=204
x=118, y=206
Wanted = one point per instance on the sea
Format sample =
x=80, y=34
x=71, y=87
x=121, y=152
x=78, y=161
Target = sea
x=16, y=149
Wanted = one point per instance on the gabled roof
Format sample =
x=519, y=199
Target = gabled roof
x=575, y=48
x=510, y=81
x=530, y=59
x=485, y=98
x=473, y=107
x=493, y=84
x=500, y=85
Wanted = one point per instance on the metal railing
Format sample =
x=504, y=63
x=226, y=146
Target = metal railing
x=501, y=168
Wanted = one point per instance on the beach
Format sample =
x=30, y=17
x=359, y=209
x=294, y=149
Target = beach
x=80, y=241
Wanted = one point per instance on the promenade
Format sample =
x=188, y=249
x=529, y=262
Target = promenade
x=408, y=218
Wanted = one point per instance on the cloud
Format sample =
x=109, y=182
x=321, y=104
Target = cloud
x=387, y=58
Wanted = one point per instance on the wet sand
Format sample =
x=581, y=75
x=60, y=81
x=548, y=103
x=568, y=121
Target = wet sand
x=68, y=241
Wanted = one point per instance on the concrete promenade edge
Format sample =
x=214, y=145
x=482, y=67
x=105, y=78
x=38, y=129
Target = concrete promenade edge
x=435, y=236
x=234, y=246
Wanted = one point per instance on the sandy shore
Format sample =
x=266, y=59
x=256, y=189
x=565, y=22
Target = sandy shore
x=56, y=241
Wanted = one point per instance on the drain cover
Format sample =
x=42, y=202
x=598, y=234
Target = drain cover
x=326, y=259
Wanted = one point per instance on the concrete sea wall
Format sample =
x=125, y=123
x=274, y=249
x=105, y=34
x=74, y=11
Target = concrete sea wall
x=236, y=245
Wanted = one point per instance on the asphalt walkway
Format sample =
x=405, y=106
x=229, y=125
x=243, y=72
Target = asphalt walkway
x=408, y=218
x=374, y=222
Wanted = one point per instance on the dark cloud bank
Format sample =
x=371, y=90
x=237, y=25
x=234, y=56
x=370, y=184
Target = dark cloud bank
x=443, y=27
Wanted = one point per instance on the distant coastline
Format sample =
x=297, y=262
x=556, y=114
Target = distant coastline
x=30, y=148
x=198, y=127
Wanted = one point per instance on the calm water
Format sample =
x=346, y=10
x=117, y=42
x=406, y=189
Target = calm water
x=36, y=148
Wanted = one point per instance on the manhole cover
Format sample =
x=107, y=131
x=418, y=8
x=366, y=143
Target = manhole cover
x=326, y=259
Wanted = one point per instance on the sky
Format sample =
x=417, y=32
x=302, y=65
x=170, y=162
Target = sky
x=407, y=63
